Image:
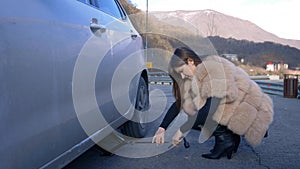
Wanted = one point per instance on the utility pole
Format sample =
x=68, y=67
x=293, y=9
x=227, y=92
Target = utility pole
x=146, y=36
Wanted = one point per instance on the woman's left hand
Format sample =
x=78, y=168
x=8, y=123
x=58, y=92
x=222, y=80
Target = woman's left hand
x=159, y=137
x=177, y=138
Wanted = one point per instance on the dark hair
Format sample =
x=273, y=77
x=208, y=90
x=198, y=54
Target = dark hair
x=179, y=58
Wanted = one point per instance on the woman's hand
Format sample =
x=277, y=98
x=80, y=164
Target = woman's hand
x=159, y=137
x=177, y=138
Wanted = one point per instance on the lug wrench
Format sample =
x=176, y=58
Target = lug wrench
x=185, y=143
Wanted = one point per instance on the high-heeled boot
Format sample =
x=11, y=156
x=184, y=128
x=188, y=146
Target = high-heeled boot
x=224, y=144
x=236, y=140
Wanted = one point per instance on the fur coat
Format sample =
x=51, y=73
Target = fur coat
x=244, y=108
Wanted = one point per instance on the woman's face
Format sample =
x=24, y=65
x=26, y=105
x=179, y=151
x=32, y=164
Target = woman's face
x=186, y=70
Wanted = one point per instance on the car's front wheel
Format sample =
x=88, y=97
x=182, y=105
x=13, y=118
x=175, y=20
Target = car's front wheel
x=137, y=126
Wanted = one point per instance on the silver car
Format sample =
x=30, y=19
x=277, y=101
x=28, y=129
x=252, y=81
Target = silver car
x=71, y=72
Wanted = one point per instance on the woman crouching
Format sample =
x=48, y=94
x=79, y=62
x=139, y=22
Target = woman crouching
x=220, y=99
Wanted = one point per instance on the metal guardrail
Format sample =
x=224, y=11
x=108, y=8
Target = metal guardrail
x=164, y=80
x=269, y=87
x=275, y=88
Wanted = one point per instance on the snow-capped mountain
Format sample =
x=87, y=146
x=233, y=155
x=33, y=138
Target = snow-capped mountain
x=213, y=23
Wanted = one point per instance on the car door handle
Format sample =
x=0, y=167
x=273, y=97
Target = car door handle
x=133, y=36
x=95, y=26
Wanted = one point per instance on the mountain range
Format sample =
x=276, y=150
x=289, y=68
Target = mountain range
x=213, y=23
x=227, y=35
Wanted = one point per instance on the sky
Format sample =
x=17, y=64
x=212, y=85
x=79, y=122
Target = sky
x=280, y=17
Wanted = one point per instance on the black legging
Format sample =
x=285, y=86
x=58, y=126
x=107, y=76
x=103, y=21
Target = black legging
x=194, y=122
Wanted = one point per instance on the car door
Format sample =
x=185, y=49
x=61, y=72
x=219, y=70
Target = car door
x=117, y=70
x=41, y=42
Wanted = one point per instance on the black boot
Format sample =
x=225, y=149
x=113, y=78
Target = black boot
x=224, y=143
x=237, y=140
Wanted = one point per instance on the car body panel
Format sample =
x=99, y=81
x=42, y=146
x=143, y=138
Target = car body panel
x=40, y=43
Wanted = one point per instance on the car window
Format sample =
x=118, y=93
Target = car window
x=110, y=7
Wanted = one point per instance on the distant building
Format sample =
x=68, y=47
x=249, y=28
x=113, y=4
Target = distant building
x=276, y=66
x=270, y=67
x=231, y=57
x=242, y=60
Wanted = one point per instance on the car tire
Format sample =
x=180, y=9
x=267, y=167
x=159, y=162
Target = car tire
x=137, y=126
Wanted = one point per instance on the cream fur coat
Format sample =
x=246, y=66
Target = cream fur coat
x=244, y=108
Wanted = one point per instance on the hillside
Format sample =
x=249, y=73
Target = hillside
x=225, y=34
x=258, y=54
x=213, y=23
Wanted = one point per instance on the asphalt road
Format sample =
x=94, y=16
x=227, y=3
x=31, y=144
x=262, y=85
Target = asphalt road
x=280, y=150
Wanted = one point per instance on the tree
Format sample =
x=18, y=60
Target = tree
x=211, y=25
